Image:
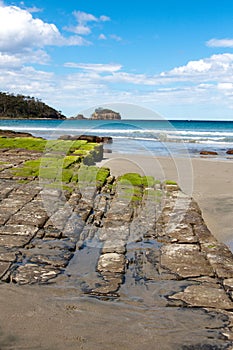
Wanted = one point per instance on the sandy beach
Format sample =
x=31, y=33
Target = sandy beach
x=208, y=180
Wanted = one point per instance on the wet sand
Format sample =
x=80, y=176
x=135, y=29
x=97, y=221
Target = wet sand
x=51, y=318
x=208, y=180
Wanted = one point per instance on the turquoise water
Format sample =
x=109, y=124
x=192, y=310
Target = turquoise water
x=139, y=136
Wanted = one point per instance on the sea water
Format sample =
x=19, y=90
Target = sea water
x=160, y=137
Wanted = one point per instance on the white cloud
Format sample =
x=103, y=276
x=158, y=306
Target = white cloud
x=129, y=78
x=102, y=37
x=80, y=29
x=225, y=86
x=212, y=68
x=95, y=67
x=104, y=18
x=220, y=43
x=27, y=80
x=34, y=56
x=20, y=31
x=111, y=36
x=9, y=61
x=115, y=37
x=193, y=67
x=204, y=72
x=83, y=27
x=32, y=9
x=83, y=17
x=19, y=59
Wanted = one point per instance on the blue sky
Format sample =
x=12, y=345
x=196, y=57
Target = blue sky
x=173, y=57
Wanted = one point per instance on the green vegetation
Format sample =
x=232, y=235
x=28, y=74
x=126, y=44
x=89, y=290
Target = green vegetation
x=212, y=246
x=55, y=169
x=137, y=180
x=130, y=187
x=29, y=143
x=132, y=179
x=170, y=182
x=135, y=188
x=60, y=160
x=92, y=176
x=3, y=165
x=29, y=169
x=148, y=181
x=153, y=195
x=78, y=151
x=26, y=107
x=38, y=144
x=66, y=163
x=65, y=146
x=133, y=194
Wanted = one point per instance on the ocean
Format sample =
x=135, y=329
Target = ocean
x=152, y=137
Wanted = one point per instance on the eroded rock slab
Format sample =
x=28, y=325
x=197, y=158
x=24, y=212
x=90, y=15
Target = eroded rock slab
x=31, y=214
x=205, y=296
x=111, y=262
x=185, y=260
x=4, y=267
x=33, y=273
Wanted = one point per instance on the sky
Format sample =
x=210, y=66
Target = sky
x=174, y=57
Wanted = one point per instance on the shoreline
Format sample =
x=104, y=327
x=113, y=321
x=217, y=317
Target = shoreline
x=211, y=184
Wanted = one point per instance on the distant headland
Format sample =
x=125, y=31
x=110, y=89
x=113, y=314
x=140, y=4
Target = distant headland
x=26, y=107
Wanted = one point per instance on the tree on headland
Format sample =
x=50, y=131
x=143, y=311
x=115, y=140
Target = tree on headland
x=26, y=107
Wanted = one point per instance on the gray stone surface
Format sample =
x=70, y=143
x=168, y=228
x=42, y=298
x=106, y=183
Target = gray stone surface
x=185, y=260
x=205, y=296
x=111, y=262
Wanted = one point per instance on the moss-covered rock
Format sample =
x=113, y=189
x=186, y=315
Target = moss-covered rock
x=60, y=159
x=28, y=143
x=92, y=176
x=132, y=179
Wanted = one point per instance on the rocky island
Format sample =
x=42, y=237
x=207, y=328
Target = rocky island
x=100, y=114
x=105, y=114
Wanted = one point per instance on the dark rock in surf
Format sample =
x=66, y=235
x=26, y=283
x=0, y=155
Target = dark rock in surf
x=89, y=138
x=209, y=153
x=11, y=133
x=230, y=151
